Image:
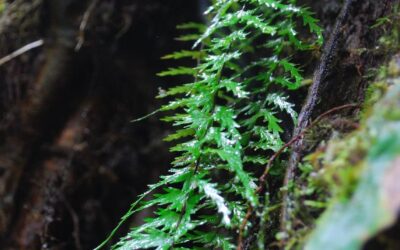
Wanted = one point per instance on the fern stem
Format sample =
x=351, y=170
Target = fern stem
x=229, y=113
x=197, y=164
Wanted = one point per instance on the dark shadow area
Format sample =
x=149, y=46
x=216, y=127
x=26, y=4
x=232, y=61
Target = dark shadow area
x=72, y=164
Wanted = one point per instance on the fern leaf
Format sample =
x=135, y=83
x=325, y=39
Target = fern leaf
x=184, y=54
x=229, y=110
x=281, y=102
x=178, y=71
x=179, y=134
x=213, y=194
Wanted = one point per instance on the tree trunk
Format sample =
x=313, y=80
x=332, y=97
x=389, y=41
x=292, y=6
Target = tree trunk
x=70, y=161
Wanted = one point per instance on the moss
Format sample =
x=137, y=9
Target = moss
x=2, y=6
x=340, y=170
x=360, y=171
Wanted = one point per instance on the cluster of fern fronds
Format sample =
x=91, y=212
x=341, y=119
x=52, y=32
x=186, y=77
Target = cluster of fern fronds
x=227, y=122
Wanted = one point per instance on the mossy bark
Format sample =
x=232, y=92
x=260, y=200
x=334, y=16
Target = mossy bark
x=70, y=161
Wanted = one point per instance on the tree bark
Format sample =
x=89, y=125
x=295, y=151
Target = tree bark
x=339, y=79
x=70, y=161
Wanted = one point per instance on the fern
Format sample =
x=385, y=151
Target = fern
x=227, y=122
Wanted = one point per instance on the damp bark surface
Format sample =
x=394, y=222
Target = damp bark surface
x=71, y=162
x=340, y=76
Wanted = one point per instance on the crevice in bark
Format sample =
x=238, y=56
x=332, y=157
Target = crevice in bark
x=340, y=77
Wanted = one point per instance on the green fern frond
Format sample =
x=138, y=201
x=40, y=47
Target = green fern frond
x=227, y=121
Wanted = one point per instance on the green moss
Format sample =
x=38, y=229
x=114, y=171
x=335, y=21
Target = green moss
x=342, y=181
x=359, y=207
x=2, y=6
x=352, y=170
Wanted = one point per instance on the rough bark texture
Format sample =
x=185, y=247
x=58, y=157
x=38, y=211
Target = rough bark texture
x=70, y=161
x=340, y=76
